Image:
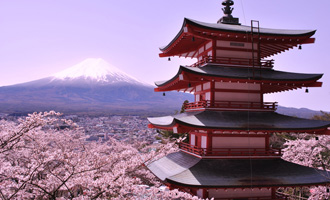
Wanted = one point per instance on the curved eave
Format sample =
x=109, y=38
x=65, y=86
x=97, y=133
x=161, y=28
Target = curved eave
x=239, y=121
x=182, y=169
x=253, y=185
x=176, y=37
x=274, y=81
x=247, y=29
x=182, y=39
x=273, y=41
x=164, y=122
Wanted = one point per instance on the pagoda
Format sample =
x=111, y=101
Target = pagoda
x=229, y=125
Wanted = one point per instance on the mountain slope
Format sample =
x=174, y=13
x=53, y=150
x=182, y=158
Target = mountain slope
x=90, y=86
x=95, y=70
x=94, y=86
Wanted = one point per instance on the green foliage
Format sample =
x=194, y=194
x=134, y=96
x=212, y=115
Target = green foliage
x=301, y=193
x=183, y=105
x=169, y=135
x=277, y=140
x=324, y=116
x=158, y=137
x=166, y=134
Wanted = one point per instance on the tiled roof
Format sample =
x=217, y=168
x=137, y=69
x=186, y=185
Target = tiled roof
x=244, y=73
x=239, y=120
x=247, y=29
x=183, y=169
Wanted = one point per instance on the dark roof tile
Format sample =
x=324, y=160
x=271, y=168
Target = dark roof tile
x=239, y=120
x=186, y=170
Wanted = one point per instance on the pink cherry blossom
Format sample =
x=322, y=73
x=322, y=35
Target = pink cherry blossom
x=311, y=151
x=38, y=161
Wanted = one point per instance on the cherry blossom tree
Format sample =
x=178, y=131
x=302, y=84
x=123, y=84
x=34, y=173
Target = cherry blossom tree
x=312, y=151
x=39, y=161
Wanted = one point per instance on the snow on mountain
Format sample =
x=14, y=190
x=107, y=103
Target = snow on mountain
x=97, y=70
x=91, y=86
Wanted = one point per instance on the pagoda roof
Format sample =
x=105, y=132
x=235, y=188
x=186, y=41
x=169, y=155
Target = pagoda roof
x=247, y=29
x=277, y=80
x=182, y=169
x=202, y=32
x=239, y=121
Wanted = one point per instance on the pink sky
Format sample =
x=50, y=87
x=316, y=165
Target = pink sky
x=42, y=37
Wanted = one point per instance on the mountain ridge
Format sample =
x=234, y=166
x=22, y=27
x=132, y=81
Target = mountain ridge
x=91, y=84
x=96, y=70
x=95, y=86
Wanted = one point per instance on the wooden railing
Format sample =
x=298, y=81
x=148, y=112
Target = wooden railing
x=230, y=151
x=235, y=61
x=232, y=105
x=256, y=198
x=289, y=196
x=278, y=196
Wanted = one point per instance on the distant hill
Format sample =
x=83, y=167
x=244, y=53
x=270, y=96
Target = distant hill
x=298, y=112
x=96, y=87
x=92, y=86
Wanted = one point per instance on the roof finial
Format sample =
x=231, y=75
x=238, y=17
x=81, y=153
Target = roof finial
x=227, y=10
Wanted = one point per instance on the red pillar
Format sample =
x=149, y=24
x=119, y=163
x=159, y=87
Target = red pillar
x=212, y=90
x=214, y=49
x=205, y=193
x=209, y=141
x=273, y=193
x=267, y=141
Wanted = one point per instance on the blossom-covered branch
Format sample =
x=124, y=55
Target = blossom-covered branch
x=40, y=161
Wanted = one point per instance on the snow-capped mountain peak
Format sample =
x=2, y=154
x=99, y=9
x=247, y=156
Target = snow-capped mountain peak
x=97, y=70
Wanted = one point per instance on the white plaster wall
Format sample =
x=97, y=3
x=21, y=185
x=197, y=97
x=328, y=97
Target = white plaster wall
x=235, y=96
x=237, y=86
x=192, y=139
x=246, y=45
x=201, y=50
x=238, y=142
x=208, y=96
x=203, y=142
x=191, y=54
x=208, y=45
x=200, y=193
x=206, y=86
x=198, y=88
x=197, y=98
x=234, y=54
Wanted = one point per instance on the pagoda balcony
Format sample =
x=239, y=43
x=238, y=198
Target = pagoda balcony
x=278, y=197
x=231, y=105
x=231, y=152
x=234, y=61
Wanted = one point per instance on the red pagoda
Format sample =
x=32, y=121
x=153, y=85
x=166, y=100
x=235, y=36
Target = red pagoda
x=229, y=124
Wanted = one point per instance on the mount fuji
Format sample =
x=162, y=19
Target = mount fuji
x=96, y=71
x=92, y=86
